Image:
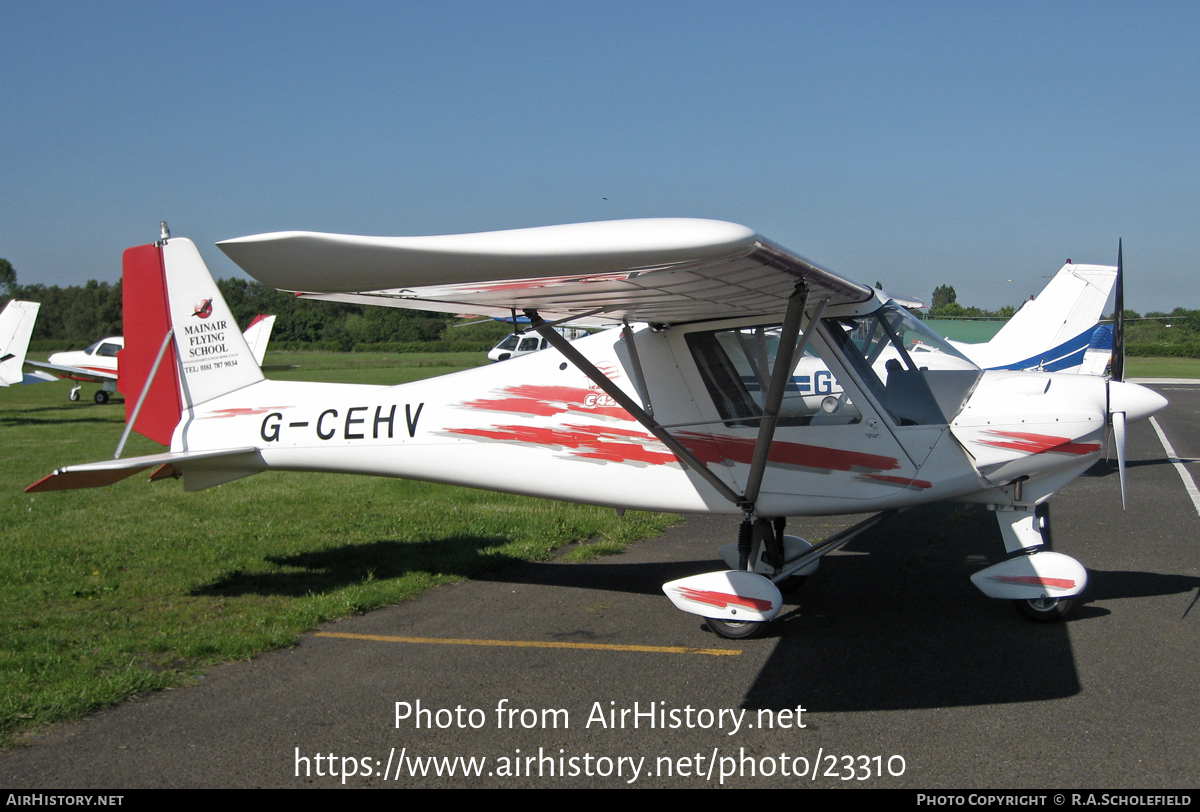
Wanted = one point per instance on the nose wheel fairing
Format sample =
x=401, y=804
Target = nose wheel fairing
x=731, y=596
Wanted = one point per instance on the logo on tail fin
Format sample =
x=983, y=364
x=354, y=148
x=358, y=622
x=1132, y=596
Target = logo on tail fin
x=203, y=309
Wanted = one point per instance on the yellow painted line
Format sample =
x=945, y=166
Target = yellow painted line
x=447, y=641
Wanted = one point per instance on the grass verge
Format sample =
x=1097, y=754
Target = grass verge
x=115, y=591
x=1149, y=367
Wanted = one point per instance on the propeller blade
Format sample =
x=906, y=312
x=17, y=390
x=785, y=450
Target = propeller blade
x=1118, y=350
x=1118, y=422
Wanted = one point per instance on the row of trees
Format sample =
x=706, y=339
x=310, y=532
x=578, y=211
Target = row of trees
x=75, y=316
x=945, y=306
x=1155, y=333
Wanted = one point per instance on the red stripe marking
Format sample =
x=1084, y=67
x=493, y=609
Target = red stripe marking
x=594, y=443
x=741, y=449
x=1035, y=580
x=723, y=599
x=241, y=412
x=1039, y=443
x=545, y=401
x=611, y=444
x=542, y=282
x=900, y=480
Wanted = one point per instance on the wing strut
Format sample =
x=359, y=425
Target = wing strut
x=781, y=375
x=648, y=422
x=791, y=337
x=640, y=379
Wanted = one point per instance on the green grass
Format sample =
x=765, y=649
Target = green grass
x=113, y=591
x=1146, y=367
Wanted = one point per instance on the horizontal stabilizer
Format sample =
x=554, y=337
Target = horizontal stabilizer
x=99, y=474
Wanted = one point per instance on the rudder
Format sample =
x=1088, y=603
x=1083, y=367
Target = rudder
x=168, y=288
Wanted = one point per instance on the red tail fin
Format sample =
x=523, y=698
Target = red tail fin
x=147, y=321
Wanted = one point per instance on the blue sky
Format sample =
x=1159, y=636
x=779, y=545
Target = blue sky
x=914, y=143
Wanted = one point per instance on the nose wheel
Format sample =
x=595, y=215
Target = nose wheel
x=1044, y=610
x=735, y=629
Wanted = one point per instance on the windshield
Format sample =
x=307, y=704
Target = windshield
x=915, y=373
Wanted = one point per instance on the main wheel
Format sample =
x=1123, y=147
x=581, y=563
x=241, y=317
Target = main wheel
x=1044, y=610
x=101, y=397
x=735, y=629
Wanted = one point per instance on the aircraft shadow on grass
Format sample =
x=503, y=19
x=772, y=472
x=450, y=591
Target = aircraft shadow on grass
x=352, y=564
x=79, y=416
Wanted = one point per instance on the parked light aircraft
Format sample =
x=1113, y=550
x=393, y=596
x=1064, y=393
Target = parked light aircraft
x=98, y=363
x=654, y=415
x=1053, y=333
x=16, y=326
x=516, y=344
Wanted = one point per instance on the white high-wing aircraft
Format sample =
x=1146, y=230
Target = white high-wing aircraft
x=1053, y=332
x=99, y=362
x=16, y=326
x=653, y=416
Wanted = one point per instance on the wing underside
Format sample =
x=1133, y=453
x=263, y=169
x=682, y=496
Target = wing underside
x=667, y=271
x=74, y=373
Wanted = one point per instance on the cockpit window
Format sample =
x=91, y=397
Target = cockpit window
x=929, y=390
x=108, y=350
x=736, y=365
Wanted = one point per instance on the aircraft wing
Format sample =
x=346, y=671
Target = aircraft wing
x=98, y=474
x=654, y=270
x=74, y=373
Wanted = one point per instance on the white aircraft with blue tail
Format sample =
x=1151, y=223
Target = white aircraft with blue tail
x=1054, y=332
